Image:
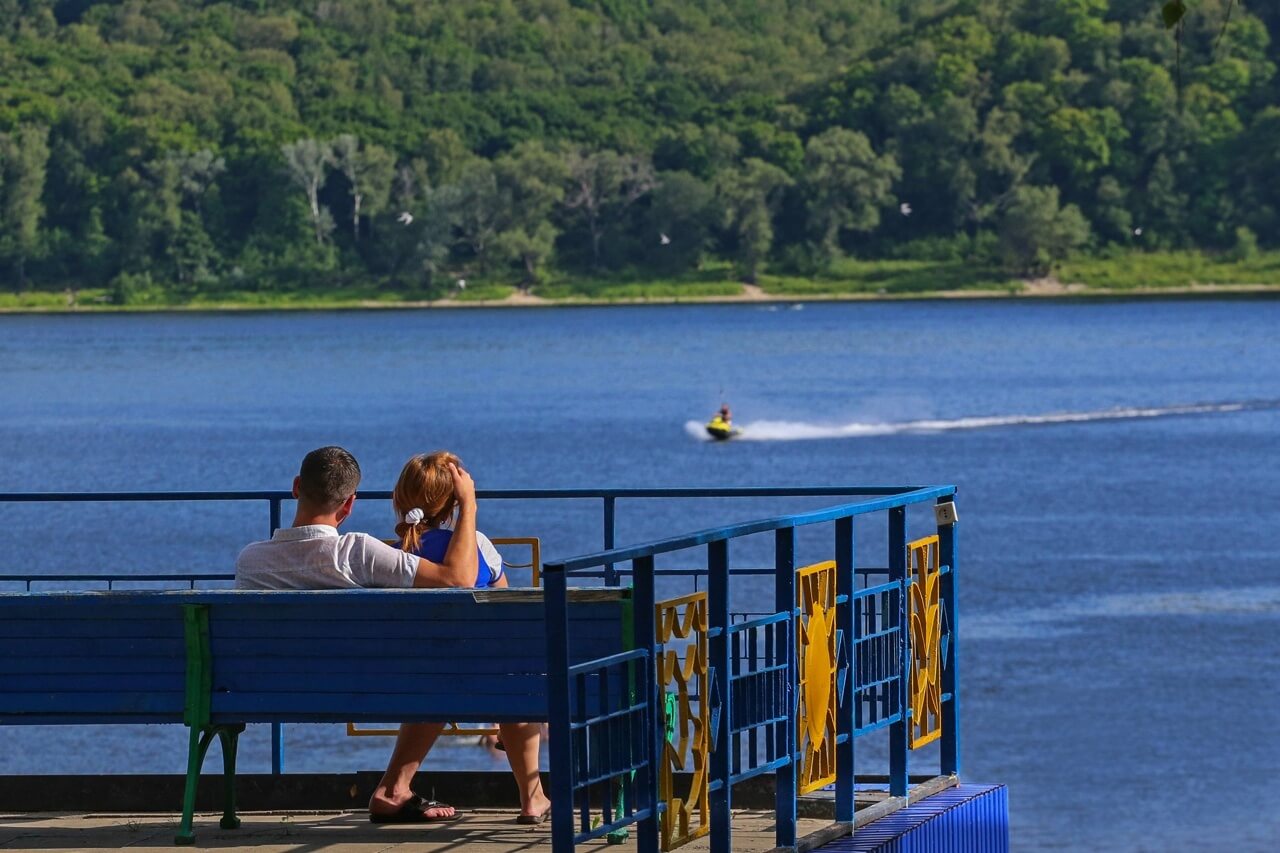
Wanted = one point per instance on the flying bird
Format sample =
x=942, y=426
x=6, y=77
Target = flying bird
x=664, y=239
x=405, y=218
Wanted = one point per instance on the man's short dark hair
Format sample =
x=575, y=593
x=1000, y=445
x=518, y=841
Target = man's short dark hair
x=329, y=476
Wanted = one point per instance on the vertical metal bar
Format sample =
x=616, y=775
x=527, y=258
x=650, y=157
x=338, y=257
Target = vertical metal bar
x=785, y=733
x=585, y=755
x=947, y=554
x=767, y=698
x=277, y=729
x=736, y=653
x=646, y=638
x=610, y=576
x=844, y=700
x=862, y=662
x=556, y=606
x=899, y=731
x=718, y=650
x=887, y=654
x=756, y=692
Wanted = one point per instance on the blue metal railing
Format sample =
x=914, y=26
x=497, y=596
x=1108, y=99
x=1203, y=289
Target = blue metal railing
x=275, y=499
x=752, y=667
x=753, y=688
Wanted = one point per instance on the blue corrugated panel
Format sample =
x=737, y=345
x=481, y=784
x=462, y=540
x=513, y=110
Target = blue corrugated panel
x=964, y=819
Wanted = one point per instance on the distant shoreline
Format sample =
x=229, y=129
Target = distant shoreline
x=751, y=295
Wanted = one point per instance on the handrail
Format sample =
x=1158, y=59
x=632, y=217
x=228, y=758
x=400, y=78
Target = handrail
x=483, y=494
x=746, y=528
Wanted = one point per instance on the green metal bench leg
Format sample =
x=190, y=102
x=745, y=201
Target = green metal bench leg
x=619, y=836
x=230, y=737
x=199, y=745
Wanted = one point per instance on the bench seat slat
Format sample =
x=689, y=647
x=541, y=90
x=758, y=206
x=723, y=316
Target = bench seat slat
x=405, y=608
x=77, y=718
x=78, y=702
x=517, y=633
x=92, y=628
x=510, y=713
x=498, y=682
x=123, y=605
x=127, y=665
x=338, y=707
x=105, y=648
x=454, y=647
x=320, y=674
x=80, y=663
x=98, y=682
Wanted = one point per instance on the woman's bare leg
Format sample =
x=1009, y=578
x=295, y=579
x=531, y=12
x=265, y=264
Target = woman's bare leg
x=522, y=741
x=412, y=744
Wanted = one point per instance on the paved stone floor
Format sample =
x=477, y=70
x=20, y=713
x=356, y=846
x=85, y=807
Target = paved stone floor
x=325, y=832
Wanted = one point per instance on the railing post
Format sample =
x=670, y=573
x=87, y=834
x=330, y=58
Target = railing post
x=646, y=637
x=845, y=577
x=610, y=576
x=947, y=554
x=556, y=607
x=900, y=731
x=785, y=733
x=718, y=651
x=277, y=729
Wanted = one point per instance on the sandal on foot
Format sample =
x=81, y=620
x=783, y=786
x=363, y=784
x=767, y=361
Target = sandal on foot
x=414, y=810
x=534, y=819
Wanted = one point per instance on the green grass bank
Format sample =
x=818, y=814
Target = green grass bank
x=1119, y=274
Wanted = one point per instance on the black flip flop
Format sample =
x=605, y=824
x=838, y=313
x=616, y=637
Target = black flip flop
x=534, y=819
x=414, y=810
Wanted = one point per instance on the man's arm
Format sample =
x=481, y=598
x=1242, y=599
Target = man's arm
x=460, y=565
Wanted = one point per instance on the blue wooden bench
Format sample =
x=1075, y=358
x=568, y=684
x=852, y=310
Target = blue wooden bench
x=218, y=660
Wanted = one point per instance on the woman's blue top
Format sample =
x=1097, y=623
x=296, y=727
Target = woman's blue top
x=436, y=541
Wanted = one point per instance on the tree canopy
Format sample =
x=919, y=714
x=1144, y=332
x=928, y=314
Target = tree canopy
x=185, y=146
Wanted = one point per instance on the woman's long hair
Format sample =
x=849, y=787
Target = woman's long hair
x=426, y=484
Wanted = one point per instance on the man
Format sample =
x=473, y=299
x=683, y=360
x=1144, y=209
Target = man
x=313, y=555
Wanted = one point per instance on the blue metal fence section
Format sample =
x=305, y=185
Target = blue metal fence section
x=753, y=668
x=877, y=637
x=609, y=740
x=759, y=695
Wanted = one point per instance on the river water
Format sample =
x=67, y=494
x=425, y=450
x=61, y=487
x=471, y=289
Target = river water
x=1117, y=464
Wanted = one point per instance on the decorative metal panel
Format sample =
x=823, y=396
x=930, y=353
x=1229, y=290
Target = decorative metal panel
x=926, y=638
x=682, y=675
x=816, y=665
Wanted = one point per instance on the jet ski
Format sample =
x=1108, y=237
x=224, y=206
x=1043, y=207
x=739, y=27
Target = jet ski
x=721, y=430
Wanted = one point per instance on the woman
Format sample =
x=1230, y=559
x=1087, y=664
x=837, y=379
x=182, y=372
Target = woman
x=425, y=505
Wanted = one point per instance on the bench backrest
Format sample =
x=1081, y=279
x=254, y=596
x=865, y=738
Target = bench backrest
x=331, y=656
x=91, y=657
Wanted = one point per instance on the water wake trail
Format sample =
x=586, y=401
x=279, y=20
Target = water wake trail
x=802, y=430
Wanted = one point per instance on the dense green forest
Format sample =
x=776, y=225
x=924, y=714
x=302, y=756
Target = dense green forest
x=164, y=150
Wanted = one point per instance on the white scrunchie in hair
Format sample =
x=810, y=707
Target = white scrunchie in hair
x=414, y=516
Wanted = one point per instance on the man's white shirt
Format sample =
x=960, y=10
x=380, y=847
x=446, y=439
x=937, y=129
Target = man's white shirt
x=317, y=556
